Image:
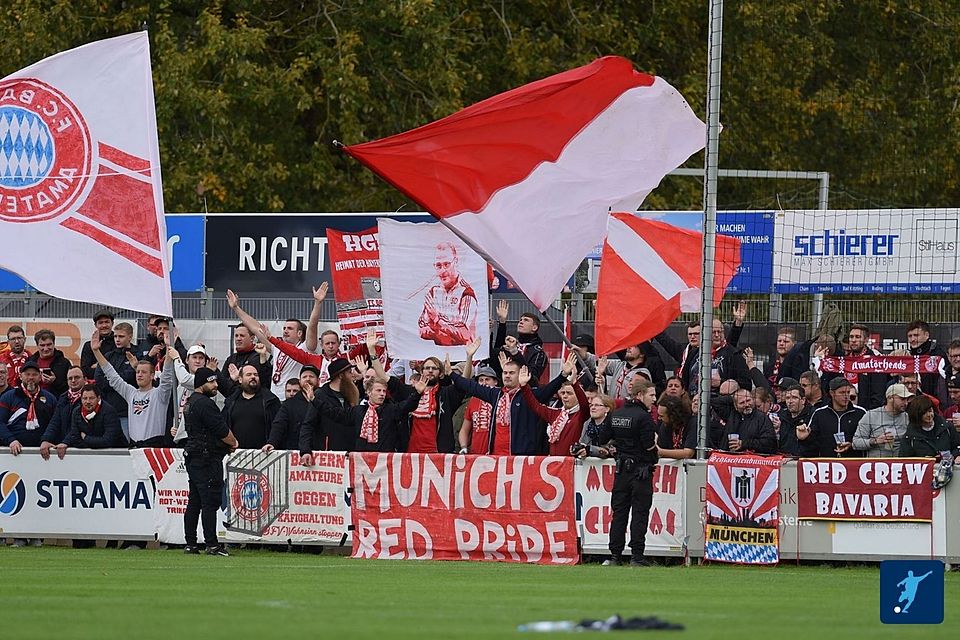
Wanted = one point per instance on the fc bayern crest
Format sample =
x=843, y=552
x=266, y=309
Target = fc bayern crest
x=46, y=153
x=250, y=495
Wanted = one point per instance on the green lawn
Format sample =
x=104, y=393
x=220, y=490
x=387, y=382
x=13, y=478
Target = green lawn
x=56, y=592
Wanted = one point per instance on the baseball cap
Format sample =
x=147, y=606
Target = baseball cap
x=584, y=340
x=197, y=348
x=203, y=376
x=898, y=390
x=487, y=371
x=839, y=383
x=954, y=382
x=103, y=313
x=30, y=364
x=786, y=383
x=311, y=368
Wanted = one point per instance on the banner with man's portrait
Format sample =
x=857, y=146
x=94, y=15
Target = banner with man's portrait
x=434, y=291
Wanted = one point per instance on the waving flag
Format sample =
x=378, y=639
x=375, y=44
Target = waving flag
x=527, y=177
x=650, y=272
x=81, y=203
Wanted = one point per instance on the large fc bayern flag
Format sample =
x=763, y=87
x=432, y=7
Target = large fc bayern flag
x=81, y=204
x=526, y=178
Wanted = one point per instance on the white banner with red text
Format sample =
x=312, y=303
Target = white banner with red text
x=666, y=531
x=455, y=507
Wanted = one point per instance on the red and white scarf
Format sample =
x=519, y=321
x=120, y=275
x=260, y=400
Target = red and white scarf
x=427, y=408
x=370, y=427
x=73, y=396
x=503, y=406
x=32, y=422
x=90, y=416
x=555, y=428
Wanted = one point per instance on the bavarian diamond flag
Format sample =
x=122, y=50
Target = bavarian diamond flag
x=743, y=509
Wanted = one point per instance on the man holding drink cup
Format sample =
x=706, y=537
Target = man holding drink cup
x=832, y=427
x=881, y=429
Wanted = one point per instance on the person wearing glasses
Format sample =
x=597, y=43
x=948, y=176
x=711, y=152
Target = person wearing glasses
x=449, y=316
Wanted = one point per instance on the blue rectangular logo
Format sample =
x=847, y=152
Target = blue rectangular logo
x=911, y=592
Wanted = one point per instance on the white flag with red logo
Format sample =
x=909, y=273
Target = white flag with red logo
x=650, y=272
x=527, y=177
x=81, y=203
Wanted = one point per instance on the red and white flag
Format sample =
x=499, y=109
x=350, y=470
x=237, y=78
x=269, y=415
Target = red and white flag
x=81, y=202
x=650, y=272
x=527, y=177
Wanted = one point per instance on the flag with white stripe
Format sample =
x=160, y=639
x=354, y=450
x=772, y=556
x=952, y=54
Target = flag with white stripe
x=651, y=272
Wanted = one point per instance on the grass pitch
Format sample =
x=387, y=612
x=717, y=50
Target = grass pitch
x=56, y=592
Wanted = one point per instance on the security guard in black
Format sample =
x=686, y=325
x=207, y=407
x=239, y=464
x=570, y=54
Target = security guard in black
x=208, y=441
x=633, y=432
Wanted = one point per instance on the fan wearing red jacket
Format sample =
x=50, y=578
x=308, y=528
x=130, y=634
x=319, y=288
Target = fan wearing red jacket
x=564, y=425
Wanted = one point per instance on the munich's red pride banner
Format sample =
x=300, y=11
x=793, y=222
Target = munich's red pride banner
x=355, y=271
x=454, y=507
x=893, y=489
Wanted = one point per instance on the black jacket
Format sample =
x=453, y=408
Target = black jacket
x=731, y=366
x=88, y=361
x=688, y=357
x=824, y=423
x=59, y=425
x=934, y=384
x=531, y=349
x=206, y=428
x=322, y=432
x=285, y=430
x=871, y=387
x=928, y=444
x=271, y=405
x=59, y=366
x=788, y=442
x=755, y=430
x=103, y=432
x=633, y=432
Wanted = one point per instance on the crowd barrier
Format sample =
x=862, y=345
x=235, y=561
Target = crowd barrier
x=524, y=509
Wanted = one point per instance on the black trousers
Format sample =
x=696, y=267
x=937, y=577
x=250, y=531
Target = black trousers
x=206, y=491
x=630, y=492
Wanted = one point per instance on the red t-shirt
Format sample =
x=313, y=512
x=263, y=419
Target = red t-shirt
x=423, y=435
x=478, y=412
x=501, y=443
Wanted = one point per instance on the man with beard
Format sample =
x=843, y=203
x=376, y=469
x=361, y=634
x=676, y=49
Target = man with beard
x=53, y=364
x=208, y=441
x=250, y=410
x=334, y=434
x=285, y=429
x=16, y=355
x=60, y=422
x=25, y=411
x=147, y=404
x=871, y=387
x=93, y=424
x=880, y=430
x=786, y=341
x=921, y=344
x=749, y=430
x=794, y=414
x=449, y=316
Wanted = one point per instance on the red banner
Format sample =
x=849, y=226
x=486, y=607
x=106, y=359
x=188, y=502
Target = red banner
x=895, y=489
x=355, y=271
x=880, y=364
x=452, y=507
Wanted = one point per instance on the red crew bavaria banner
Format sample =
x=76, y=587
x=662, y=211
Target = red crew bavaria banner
x=872, y=489
x=81, y=201
x=453, y=507
x=526, y=177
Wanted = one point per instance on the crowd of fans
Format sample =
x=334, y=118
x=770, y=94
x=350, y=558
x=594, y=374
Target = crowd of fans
x=299, y=391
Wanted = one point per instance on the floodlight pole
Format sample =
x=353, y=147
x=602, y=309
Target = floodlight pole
x=709, y=219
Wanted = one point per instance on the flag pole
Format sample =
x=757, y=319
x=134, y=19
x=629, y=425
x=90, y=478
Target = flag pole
x=709, y=220
x=566, y=340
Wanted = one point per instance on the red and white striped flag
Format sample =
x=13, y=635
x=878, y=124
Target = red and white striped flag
x=527, y=177
x=650, y=272
x=82, y=201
